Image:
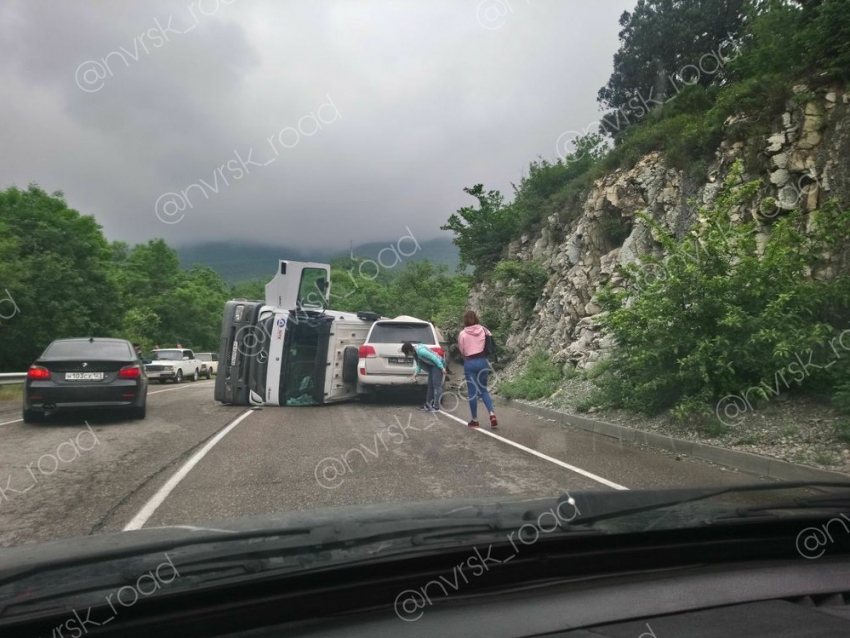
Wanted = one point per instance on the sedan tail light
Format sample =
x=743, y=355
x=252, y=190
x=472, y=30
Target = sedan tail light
x=130, y=372
x=367, y=352
x=38, y=372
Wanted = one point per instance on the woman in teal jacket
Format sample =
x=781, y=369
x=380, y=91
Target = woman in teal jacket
x=425, y=358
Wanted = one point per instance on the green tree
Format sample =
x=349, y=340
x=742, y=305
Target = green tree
x=482, y=233
x=57, y=267
x=254, y=290
x=825, y=38
x=663, y=46
x=525, y=280
x=191, y=312
x=351, y=292
x=141, y=326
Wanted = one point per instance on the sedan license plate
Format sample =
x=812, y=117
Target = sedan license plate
x=401, y=360
x=84, y=376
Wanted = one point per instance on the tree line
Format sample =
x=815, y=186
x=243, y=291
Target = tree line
x=66, y=279
x=60, y=277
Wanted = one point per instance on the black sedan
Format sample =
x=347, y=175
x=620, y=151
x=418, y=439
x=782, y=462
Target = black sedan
x=83, y=374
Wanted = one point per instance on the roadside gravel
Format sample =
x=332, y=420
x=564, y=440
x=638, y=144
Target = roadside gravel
x=795, y=429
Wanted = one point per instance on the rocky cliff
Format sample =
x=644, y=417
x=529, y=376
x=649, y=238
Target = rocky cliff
x=803, y=163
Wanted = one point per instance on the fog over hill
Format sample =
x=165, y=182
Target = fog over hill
x=243, y=261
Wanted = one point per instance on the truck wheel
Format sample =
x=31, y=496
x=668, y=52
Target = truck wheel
x=179, y=377
x=209, y=374
x=195, y=375
x=350, y=359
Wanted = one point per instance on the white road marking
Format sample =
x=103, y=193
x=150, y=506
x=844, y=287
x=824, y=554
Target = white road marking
x=182, y=387
x=572, y=468
x=8, y=422
x=157, y=499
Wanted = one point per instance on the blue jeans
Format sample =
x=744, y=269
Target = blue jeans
x=477, y=372
x=435, y=386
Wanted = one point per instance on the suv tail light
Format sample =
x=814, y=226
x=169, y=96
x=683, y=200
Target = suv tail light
x=367, y=352
x=37, y=372
x=130, y=372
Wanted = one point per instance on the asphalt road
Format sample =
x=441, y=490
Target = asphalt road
x=194, y=461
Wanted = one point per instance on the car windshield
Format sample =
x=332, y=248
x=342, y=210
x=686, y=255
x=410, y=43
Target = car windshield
x=620, y=228
x=166, y=355
x=401, y=332
x=88, y=350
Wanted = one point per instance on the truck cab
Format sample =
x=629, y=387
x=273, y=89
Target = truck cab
x=290, y=349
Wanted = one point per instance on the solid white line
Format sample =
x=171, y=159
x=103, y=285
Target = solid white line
x=572, y=468
x=8, y=422
x=157, y=499
x=182, y=387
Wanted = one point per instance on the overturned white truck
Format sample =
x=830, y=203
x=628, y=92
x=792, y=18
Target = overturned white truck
x=290, y=349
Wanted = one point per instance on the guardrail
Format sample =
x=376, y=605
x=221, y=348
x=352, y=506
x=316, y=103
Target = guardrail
x=8, y=378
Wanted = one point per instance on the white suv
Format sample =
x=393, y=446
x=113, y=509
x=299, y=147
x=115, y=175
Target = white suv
x=381, y=362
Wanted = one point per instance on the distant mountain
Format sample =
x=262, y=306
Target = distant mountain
x=244, y=261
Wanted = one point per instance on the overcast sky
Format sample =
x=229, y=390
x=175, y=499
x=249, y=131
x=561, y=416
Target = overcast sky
x=309, y=122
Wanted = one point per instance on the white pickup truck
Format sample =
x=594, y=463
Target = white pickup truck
x=173, y=364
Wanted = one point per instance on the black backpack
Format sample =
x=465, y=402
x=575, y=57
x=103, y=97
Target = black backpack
x=489, y=345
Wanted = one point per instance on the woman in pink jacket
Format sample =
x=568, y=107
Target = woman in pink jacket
x=476, y=368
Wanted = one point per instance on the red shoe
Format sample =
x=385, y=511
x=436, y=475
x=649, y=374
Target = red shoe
x=493, y=422
x=473, y=424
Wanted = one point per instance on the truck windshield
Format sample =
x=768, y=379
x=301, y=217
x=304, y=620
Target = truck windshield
x=303, y=372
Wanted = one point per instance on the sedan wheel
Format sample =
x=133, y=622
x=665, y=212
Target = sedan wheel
x=179, y=377
x=195, y=375
x=31, y=416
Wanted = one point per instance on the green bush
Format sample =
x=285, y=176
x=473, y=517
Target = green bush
x=540, y=378
x=842, y=430
x=526, y=281
x=718, y=316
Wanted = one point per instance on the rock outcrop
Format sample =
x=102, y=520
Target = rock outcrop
x=804, y=162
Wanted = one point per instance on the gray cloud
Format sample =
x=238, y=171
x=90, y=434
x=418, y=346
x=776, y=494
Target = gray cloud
x=429, y=96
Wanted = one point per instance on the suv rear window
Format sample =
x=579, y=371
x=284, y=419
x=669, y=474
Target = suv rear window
x=89, y=350
x=401, y=332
